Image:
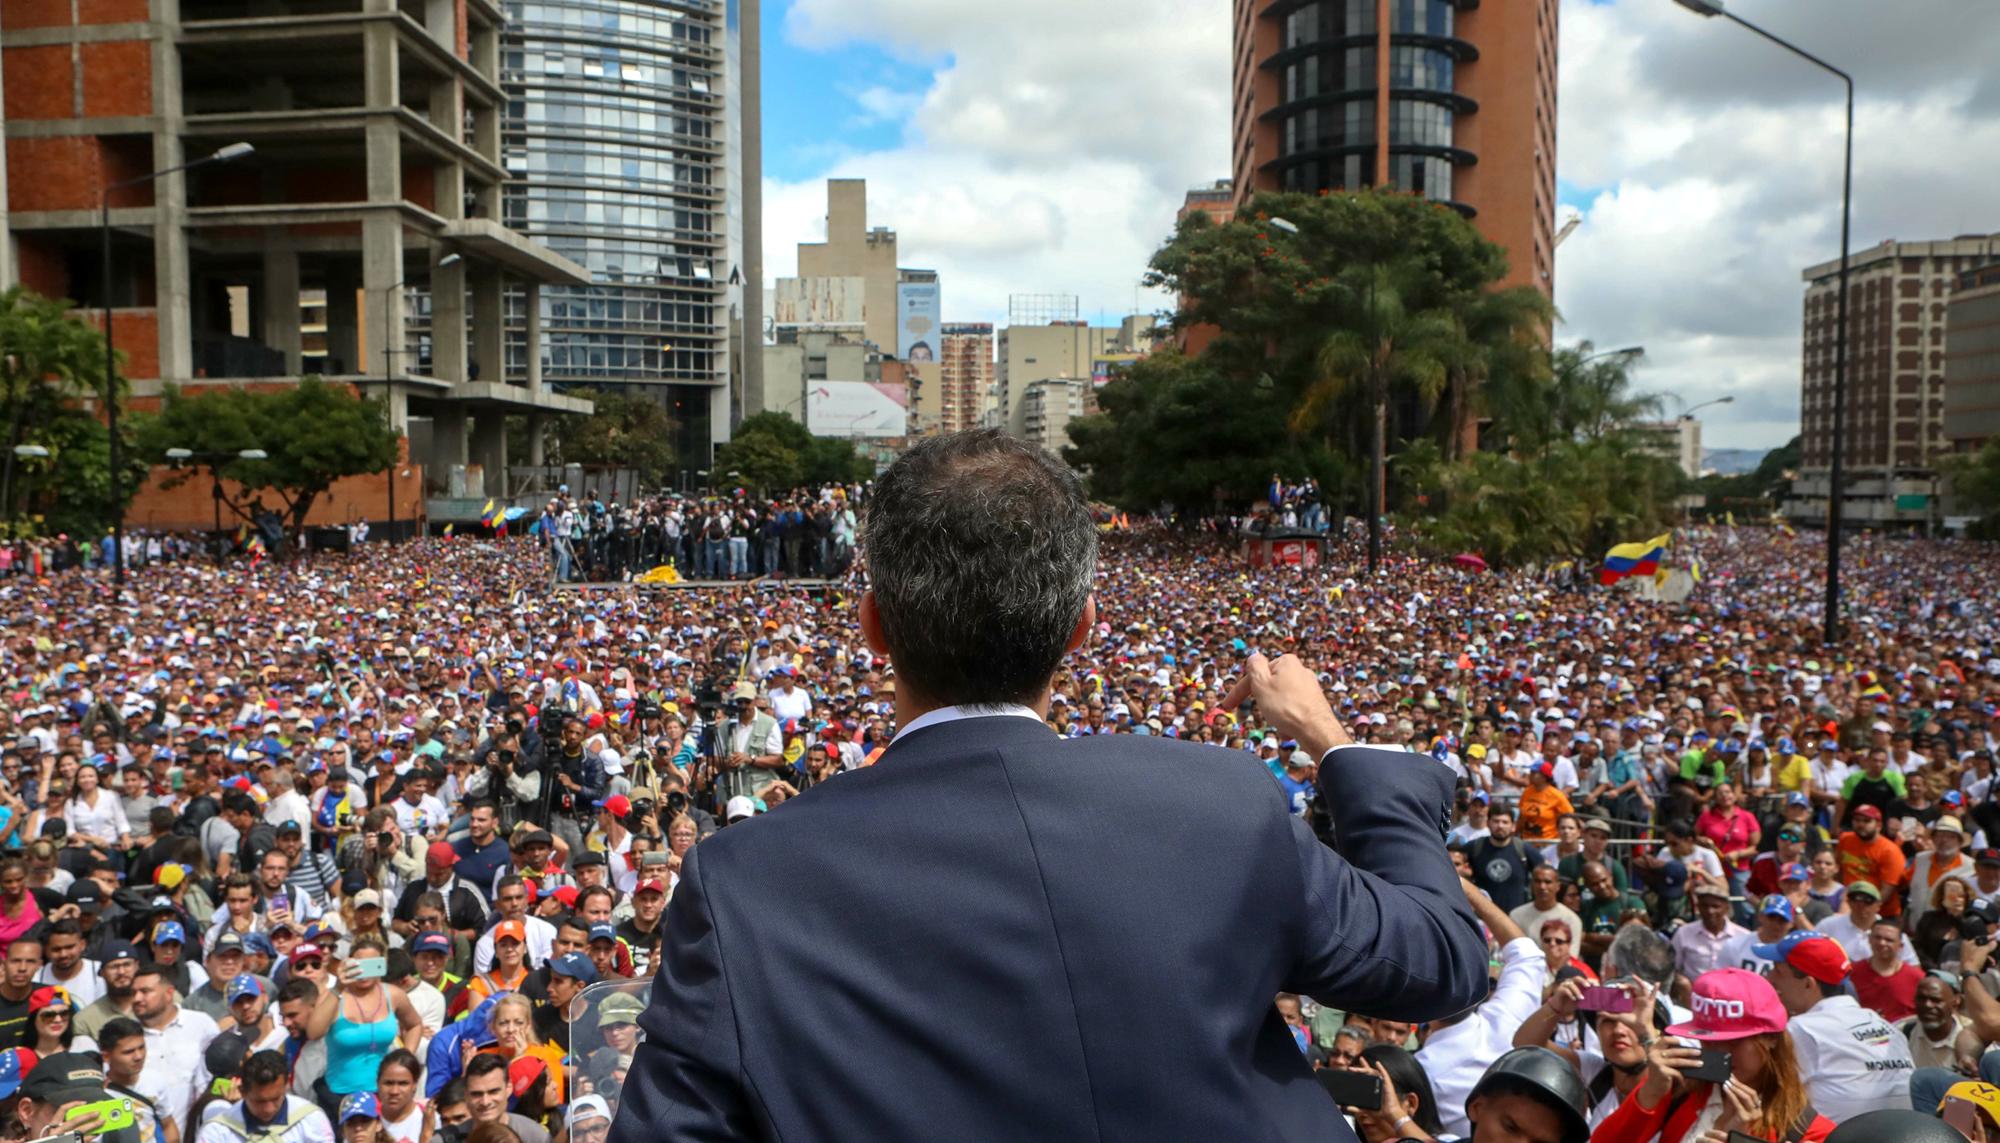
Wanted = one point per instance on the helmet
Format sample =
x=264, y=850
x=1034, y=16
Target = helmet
x=1895, y=1127
x=1546, y=1077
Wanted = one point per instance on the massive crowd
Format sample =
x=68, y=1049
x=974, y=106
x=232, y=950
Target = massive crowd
x=380, y=844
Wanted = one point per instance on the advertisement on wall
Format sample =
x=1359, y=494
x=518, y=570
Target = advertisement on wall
x=919, y=321
x=851, y=409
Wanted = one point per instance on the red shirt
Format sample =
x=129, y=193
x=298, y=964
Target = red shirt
x=1894, y=995
x=1737, y=829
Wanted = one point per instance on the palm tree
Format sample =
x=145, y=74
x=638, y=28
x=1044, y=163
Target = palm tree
x=1382, y=340
x=47, y=358
x=1505, y=334
x=1590, y=394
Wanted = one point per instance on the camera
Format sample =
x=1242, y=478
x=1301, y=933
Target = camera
x=677, y=803
x=641, y=810
x=1979, y=919
x=646, y=709
x=522, y=766
x=515, y=726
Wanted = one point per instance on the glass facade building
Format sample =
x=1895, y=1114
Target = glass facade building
x=615, y=144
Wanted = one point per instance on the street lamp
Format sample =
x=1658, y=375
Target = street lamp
x=390, y=352
x=1835, y=492
x=227, y=154
x=1688, y=414
x=1284, y=224
x=21, y=452
x=1628, y=351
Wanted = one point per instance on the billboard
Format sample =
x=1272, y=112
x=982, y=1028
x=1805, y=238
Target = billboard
x=819, y=303
x=919, y=321
x=850, y=409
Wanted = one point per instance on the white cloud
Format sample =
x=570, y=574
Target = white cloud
x=1053, y=145
x=1049, y=154
x=1718, y=158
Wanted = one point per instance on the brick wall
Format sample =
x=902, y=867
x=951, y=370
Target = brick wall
x=39, y=81
x=191, y=506
x=117, y=79
x=41, y=265
x=136, y=333
x=66, y=172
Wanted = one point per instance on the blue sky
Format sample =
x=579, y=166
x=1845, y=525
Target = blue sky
x=824, y=105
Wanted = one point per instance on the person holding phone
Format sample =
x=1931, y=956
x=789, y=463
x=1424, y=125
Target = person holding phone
x=360, y=1020
x=1731, y=1068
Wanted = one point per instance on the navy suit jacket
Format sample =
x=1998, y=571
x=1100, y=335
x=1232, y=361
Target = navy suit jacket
x=997, y=934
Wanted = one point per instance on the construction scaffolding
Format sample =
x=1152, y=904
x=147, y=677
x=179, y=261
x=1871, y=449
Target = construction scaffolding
x=1041, y=309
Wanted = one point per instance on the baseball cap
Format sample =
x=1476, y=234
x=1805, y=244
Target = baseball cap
x=523, y=1072
x=1482, y=797
x=1987, y=856
x=1795, y=798
x=167, y=931
x=441, y=853
x=1776, y=905
x=649, y=885
x=259, y=943
x=588, y=1107
x=50, y=996
x=1710, y=887
x=360, y=1105
x=170, y=875
x=618, y=805
x=1815, y=954
x=1793, y=871
x=15, y=1064
x=514, y=930
x=1598, y=824
x=366, y=898
x=1731, y=1004
x=225, y=1054
x=120, y=950
x=64, y=1077
x=1868, y=812
x=229, y=941
x=306, y=951
x=567, y=894
x=1864, y=889
x=740, y=806
x=244, y=985
x=603, y=932
x=86, y=895
x=574, y=965
x=431, y=942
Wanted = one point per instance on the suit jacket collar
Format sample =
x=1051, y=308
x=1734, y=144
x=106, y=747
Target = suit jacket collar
x=972, y=732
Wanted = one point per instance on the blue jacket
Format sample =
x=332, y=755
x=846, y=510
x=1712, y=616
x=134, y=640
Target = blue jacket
x=443, y=1061
x=997, y=934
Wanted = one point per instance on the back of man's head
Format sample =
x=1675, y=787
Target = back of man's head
x=981, y=554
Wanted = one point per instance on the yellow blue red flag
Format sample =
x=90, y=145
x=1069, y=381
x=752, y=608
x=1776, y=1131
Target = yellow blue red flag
x=1633, y=559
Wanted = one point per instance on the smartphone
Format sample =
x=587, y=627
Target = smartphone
x=1604, y=998
x=116, y=1113
x=1739, y=1137
x=371, y=967
x=280, y=902
x=1714, y=1068
x=654, y=857
x=1958, y=1115
x=1358, y=1090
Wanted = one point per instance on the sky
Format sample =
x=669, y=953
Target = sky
x=1044, y=146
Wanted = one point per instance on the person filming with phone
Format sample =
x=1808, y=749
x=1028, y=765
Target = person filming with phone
x=360, y=1019
x=995, y=933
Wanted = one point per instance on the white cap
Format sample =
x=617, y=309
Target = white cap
x=586, y=1107
x=740, y=806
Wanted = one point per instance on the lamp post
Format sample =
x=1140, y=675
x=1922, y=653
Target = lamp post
x=21, y=452
x=1834, y=505
x=389, y=352
x=1688, y=414
x=178, y=455
x=227, y=154
x=1628, y=351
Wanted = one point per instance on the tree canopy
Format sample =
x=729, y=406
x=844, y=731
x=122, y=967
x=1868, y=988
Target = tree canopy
x=313, y=434
x=771, y=452
x=50, y=363
x=626, y=431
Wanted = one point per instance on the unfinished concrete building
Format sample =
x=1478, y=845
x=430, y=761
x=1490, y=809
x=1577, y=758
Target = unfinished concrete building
x=375, y=181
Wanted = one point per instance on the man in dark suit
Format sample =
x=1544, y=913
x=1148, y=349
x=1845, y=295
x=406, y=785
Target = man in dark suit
x=997, y=934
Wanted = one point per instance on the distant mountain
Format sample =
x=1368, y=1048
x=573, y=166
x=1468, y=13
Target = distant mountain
x=1733, y=461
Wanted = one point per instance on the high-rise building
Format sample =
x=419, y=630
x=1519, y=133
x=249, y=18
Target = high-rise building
x=632, y=147
x=376, y=171
x=852, y=250
x=965, y=375
x=1972, y=361
x=1071, y=351
x=1453, y=100
x=1897, y=298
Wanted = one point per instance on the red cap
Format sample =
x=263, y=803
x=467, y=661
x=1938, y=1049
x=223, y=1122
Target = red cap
x=618, y=805
x=595, y=721
x=441, y=853
x=649, y=885
x=1819, y=957
x=1868, y=812
x=523, y=1073
x=567, y=894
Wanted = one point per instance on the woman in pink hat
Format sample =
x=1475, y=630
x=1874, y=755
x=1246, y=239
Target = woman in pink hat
x=1738, y=1013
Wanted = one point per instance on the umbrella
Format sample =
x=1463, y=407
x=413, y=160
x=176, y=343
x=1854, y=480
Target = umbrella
x=1469, y=562
x=516, y=513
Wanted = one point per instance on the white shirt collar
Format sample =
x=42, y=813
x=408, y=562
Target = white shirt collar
x=946, y=714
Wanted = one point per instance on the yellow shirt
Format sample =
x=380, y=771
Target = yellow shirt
x=1794, y=774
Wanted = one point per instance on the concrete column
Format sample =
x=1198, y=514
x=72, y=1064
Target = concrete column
x=448, y=441
x=489, y=449
x=171, y=277
x=538, y=433
x=441, y=21
x=447, y=111
x=280, y=308
x=489, y=325
x=343, y=321
x=381, y=269
x=533, y=301
x=448, y=334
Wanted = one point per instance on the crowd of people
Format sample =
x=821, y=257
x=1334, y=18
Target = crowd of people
x=804, y=534
x=381, y=845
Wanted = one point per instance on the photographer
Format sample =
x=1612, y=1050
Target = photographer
x=509, y=775
x=387, y=857
x=572, y=785
x=745, y=748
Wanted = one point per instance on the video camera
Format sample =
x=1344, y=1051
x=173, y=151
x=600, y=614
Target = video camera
x=1979, y=920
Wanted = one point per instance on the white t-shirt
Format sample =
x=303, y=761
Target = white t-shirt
x=1532, y=919
x=1851, y=1060
x=784, y=706
x=1854, y=938
x=85, y=988
x=420, y=819
x=1737, y=954
x=1703, y=861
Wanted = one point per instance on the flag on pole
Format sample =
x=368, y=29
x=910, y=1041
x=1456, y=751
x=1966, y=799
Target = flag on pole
x=1641, y=559
x=447, y=530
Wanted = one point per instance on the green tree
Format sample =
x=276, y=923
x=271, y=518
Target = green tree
x=626, y=431
x=50, y=363
x=1757, y=493
x=314, y=434
x=760, y=461
x=815, y=460
x=1975, y=483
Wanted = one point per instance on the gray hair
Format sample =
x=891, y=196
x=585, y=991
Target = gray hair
x=981, y=554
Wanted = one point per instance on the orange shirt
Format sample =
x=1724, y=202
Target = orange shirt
x=1539, y=811
x=1878, y=861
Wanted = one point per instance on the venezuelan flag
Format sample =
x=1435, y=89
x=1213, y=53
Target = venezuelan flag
x=489, y=515
x=1633, y=559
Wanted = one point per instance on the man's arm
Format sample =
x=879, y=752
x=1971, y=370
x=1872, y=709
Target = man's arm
x=685, y=1077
